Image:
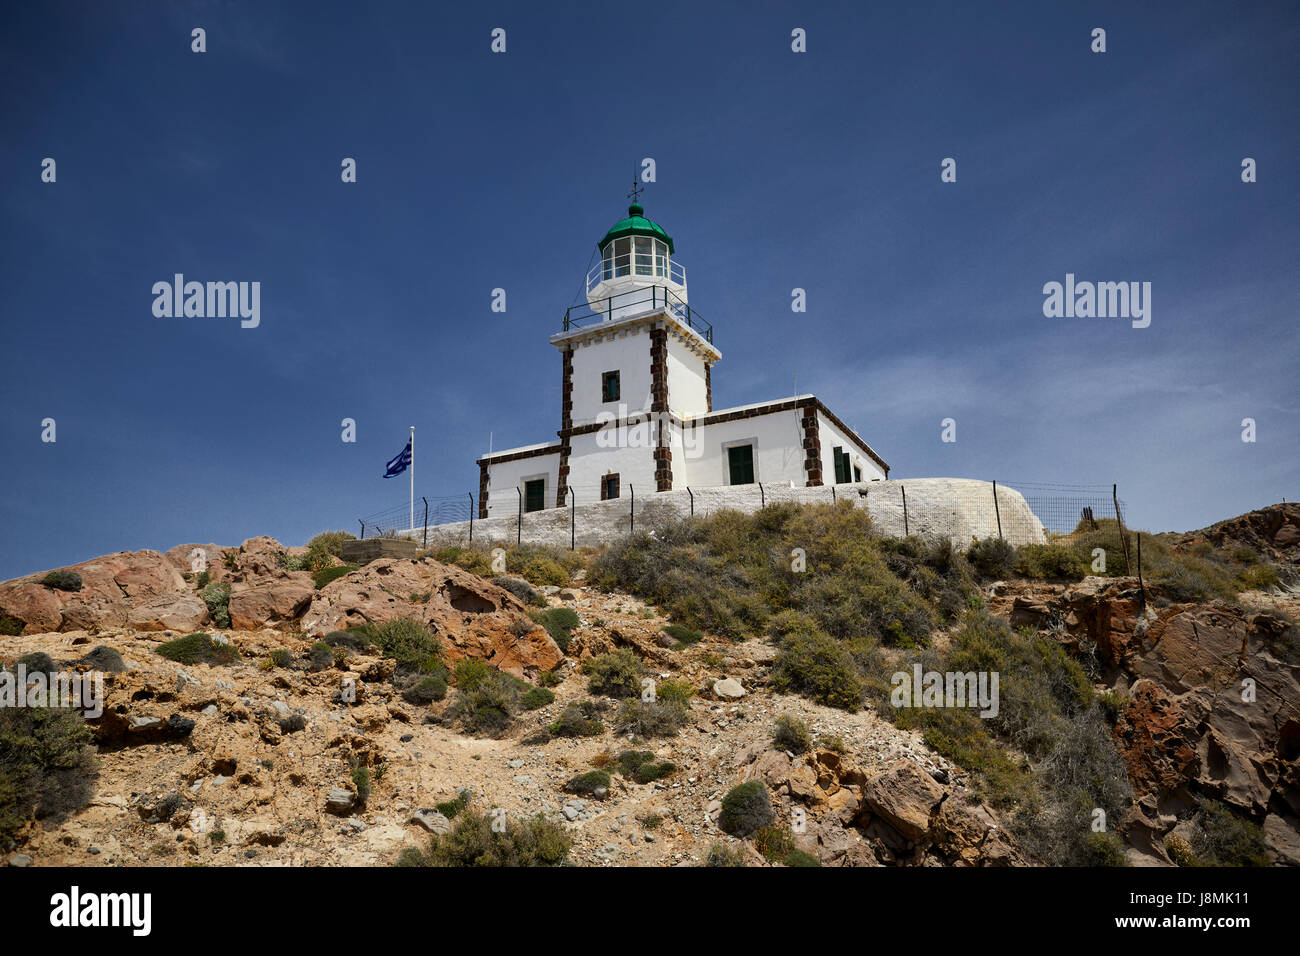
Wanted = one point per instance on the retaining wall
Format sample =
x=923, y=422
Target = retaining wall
x=956, y=508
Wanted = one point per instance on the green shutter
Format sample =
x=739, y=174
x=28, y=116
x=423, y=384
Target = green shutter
x=740, y=464
x=841, y=467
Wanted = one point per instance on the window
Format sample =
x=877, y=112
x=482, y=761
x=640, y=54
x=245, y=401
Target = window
x=535, y=494
x=609, y=387
x=639, y=255
x=841, y=467
x=740, y=464
x=857, y=473
x=608, y=487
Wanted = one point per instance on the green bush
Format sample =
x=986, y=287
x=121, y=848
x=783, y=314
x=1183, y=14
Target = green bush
x=104, y=658
x=469, y=673
x=574, y=721
x=674, y=691
x=1103, y=849
x=1222, y=838
x=198, y=648
x=731, y=573
x=320, y=656
x=406, y=640
x=325, y=575
x=775, y=843
x=745, y=809
x=812, y=664
x=593, y=783
x=486, y=708
x=281, y=657
x=217, y=597
x=426, y=690
x=46, y=765
x=720, y=855
x=992, y=558
x=616, y=674
x=791, y=734
x=1049, y=562
x=323, y=549
x=1180, y=851
x=683, y=635
x=361, y=779
x=540, y=570
x=330, y=542
x=450, y=808
x=1261, y=577
x=353, y=640
x=10, y=626
x=651, y=718
x=639, y=765
x=559, y=623
x=1048, y=712
x=62, y=580
x=537, y=697
x=37, y=662
x=473, y=560
x=800, y=858
x=532, y=842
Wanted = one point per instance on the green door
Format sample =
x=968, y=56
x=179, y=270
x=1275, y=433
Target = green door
x=535, y=495
x=740, y=464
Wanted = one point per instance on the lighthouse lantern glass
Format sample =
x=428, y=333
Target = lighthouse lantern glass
x=639, y=255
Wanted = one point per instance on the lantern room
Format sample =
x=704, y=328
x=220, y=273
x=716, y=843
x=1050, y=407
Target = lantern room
x=637, y=271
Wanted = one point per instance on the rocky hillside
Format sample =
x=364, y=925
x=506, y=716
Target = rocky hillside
x=260, y=713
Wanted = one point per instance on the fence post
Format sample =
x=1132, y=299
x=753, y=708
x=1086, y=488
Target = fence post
x=996, y=510
x=1123, y=536
x=906, y=531
x=519, y=522
x=632, y=527
x=471, y=516
x=426, y=521
x=363, y=529
x=762, y=497
x=692, y=494
x=573, y=519
x=1141, y=587
x=832, y=494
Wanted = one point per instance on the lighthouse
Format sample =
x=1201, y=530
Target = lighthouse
x=637, y=415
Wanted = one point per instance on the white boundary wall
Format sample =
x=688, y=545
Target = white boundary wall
x=955, y=508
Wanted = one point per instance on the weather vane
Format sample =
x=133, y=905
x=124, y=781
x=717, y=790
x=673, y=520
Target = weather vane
x=636, y=190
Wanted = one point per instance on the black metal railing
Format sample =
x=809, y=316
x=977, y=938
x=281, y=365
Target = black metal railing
x=655, y=298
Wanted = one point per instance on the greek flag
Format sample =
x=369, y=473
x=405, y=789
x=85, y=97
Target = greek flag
x=400, y=463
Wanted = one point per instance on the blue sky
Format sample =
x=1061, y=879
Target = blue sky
x=775, y=170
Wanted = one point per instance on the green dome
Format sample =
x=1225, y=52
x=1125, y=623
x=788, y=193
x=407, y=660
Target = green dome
x=636, y=224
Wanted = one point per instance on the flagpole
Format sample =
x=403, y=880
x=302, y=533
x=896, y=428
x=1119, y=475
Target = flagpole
x=412, y=478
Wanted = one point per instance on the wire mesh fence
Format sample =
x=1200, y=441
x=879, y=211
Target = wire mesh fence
x=428, y=512
x=962, y=510
x=1064, y=509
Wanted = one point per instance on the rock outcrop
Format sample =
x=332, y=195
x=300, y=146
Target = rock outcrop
x=1208, y=707
x=901, y=816
x=152, y=591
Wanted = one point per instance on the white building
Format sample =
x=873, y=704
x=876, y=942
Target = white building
x=636, y=408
